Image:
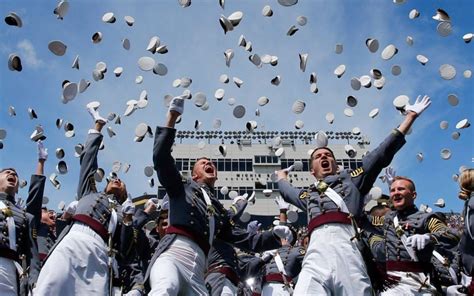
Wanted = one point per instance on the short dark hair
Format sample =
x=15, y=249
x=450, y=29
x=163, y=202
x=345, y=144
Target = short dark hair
x=198, y=159
x=316, y=149
x=8, y=169
x=411, y=185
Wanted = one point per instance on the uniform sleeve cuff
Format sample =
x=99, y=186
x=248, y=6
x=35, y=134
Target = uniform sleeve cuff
x=93, y=131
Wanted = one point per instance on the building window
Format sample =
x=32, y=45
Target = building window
x=306, y=165
x=266, y=159
x=227, y=165
x=235, y=165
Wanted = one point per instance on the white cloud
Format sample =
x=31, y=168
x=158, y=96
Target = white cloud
x=28, y=54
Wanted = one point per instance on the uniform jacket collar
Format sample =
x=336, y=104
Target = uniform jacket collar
x=4, y=196
x=406, y=212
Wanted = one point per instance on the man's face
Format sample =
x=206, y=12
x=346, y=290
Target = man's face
x=401, y=195
x=117, y=188
x=204, y=171
x=323, y=164
x=48, y=218
x=162, y=224
x=9, y=182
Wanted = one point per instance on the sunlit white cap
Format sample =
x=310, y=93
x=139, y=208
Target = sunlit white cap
x=389, y=52
x=441, y=16
x=463, y=124
x=108, y=18
x=445, y=154
x=447, y=71
x=129, y=20
x=330, y=117
x=61, y=9
x=321, y=139
x=340, y=70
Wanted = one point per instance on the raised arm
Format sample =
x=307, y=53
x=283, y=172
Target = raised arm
x=88, y=158
x=283, y=207
x=36, y=190
x=253, y=242
x=413, y=111
x=289, y=193
x=239, y=204
x=164, y=163
x=376, y=160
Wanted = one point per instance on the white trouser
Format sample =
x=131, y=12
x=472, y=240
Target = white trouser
x=179, y=270
x=274, y=289
x=77, y=266
x=410, y=283
x=8, y=275
x=453, y=291
x=229, y=289
x=116, y=291
x=333, y=265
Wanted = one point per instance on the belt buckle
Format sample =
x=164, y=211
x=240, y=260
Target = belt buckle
x=399, y=231
x=7, y=212
x=211, y=210
x=322, y=186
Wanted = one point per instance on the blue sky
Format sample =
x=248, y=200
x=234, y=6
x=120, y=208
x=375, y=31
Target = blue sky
x=196, y=44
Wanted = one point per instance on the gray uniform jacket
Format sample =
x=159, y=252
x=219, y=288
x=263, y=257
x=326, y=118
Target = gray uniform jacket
x=188, y=212
x=351, y=186
x=133, y=267
x=45, y=236
x=222, y=255
x=412, y=222
x=292, y=259
x=25, y=228
x=95, y=208
x=467, y=240
x=373, y=225
x=46, y=239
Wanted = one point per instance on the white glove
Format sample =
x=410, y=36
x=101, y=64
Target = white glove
x=128, y=208
x=268, y=255
x=154, y=201
x=134, y=292
x=240, y=197
x=419, y=106
x=177, y=105
x=282, y=205
x=390, y=173
x=283, y=232
x=253, y=227
x=418, y=241
x=96, y=116
x=252, y=198
x=42, y=152
x=71, y=208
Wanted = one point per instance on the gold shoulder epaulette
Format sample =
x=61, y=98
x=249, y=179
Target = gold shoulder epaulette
x=357, y=172
x=378, y=220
